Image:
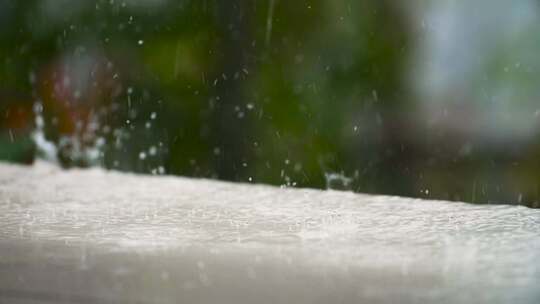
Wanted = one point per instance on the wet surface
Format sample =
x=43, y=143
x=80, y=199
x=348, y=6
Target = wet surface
x=91, y=236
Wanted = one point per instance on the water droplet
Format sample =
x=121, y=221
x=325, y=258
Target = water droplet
x=375, y=95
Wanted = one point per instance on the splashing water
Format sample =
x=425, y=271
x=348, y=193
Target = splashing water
x=69, y=146
x=337, y=181
x=45, y=149
x=87, y=145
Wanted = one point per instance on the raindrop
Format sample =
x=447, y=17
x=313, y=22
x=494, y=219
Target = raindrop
x=161, y=170
x=269, y=19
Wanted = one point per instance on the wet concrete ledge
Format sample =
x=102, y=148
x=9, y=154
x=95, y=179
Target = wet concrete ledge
x=92, y=236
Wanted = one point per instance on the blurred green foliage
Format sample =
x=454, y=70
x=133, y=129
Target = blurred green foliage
x=295, y=93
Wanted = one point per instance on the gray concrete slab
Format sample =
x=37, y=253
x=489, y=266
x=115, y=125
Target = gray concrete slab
x=91, y=236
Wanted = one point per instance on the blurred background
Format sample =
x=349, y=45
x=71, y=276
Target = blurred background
x=431, y=99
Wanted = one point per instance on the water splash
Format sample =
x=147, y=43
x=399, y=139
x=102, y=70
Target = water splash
x=337, y=181
x=87, y=146
x=70, y=147
x=46, y=149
